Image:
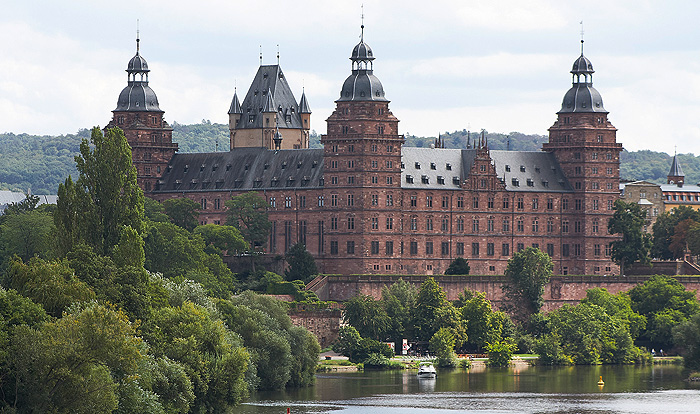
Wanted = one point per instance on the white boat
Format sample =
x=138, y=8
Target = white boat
x=426, y=370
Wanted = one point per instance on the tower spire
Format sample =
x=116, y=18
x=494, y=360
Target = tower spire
x=581, y=37
x=260, y=55
x=138, y=40
x=278, y=55
x=362, y=24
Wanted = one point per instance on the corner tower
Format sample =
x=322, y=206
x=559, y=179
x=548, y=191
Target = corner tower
x=675, y=174
x=584, y=143
x=362, y=171
x=141, y=119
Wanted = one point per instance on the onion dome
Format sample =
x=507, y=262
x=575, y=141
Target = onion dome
x=138, y=96
x=582, y=97
x=362, y=85
x=304, y=104
x=235, y=105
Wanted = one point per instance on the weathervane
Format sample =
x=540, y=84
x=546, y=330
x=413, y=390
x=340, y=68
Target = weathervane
x=581, y=36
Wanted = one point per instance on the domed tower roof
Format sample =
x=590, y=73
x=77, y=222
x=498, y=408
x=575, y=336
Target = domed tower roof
x=362, y=85
x=137, y=96
x=582, y=97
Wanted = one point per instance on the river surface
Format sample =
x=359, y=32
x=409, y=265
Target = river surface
x=523, y=389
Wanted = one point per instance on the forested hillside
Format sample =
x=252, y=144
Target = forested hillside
x=40, y=163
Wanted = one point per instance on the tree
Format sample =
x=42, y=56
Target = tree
x=221, y=238
x=665, y=303
x=183, y=212
x=248, y=213
x=528, y=272
x=27, y=235
x=367, y=316
x=399, y=302
x=628, y=220
x=618, y=306
x=433, y=311
x=105, y=197
x=664, y=231
x=154, y=211
x=301, y=264
x=442, y=345
x=459, y=266
x=74, y=364
x=28, y=204
x=500, y=352
x=475, y=313
x=687, y=338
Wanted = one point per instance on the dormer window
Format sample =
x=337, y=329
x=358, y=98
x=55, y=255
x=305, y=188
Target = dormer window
x=441, y=179
x=530, y=183
x=228, y=167
x=424, y=179
x=448, y=166
x=507, y=168
x=515, y=182
x=417, y=166
x=409, y=179
x=455, y=180
x=522, y=168
x=433, y=166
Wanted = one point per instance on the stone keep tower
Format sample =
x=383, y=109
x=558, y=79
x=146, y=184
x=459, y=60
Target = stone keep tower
x=141, y=119
x=362, y=153
x=584, y=143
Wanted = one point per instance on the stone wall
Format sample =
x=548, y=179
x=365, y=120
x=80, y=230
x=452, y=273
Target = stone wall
x=323, y=324
x=559, y=291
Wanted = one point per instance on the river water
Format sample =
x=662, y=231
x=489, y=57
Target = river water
x=522, y=389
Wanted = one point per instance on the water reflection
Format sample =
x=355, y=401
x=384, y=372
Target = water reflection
x=518, y=389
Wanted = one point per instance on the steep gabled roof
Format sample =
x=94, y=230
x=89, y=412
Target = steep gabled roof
x=270, y=79
x=676, y=170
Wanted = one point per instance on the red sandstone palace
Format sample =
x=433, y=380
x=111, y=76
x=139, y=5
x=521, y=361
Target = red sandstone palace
x=367, y=204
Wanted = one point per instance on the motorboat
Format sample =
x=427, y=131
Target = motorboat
x=426, y=370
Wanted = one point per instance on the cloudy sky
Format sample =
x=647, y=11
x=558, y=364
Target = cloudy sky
x=500, y=65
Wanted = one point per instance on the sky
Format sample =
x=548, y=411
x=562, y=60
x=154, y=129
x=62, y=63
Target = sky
x=446, y=65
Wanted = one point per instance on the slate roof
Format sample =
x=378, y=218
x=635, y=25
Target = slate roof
x=137, y=96
x=522, y=170
x=243, y=168
x=9, y=197
x=676, y=170
x=531, y=170
x=270, y=79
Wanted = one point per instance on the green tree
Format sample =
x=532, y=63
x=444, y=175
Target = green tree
x=687, y=337
x=476, y=317
x=106, y=195
x=618, y=306
x=68, y=217
x=129, y=251
x=459, y=266
x=221, y=238
x=442, y=345
x=500, y=352
x=301, y=264
x=27, y=235
x=154, y=211
x=665, y=303
x=628, y=221
x=212, y=356
x=399, y=302
x=368, y=316
x=248, y=213
x=51, y=284
x=183, y=212
x=433, y=311
x=74, y=364
x=664, y=230
x=528, y=272
x=25, y=206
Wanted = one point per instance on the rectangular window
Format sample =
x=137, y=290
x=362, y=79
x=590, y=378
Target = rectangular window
x=520, y=247
x=475, y=249
x=414, y=223
x=302, y=201
x=565, y=204
x=550, y=226
x=334, y=223
x=429, y=248
x=460, y=249
x=375, y=223
x=521, y=203
x=521, y=225
x=565, y=250
x=351, y=200
x=429, y=224
x=334, y=200
x=445, y=248
x=351, y=247
x=445, y=225
x=351, y=223
x=577, y=226
x=596, y=249
x=414, y=201
x=608, y=250
x=445, y=201
x=550, y=204
x=389, y=200
x=374, y=247
x=535, y=203
x=389, y=248
x=321, y=235
x=475, y=202
x=535, y=226
x=577, y=250
x=489, y=225
x=320, y=201
x=302, y=232
x=550, y=249
x=489, y=249
x=389, y=223
x=287, y=202
x=506, y=203
x=334, y=247
x=578, y=204
x=413, y=248
x=460, y=225
x=565, y=226
x=475, y=225
x=505, y=249
x=429, y=201
x=506, y=225
x=460, y=202
x=490, y=202
x=375, y=200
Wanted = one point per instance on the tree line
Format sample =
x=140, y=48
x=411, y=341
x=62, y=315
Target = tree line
x=113, y=303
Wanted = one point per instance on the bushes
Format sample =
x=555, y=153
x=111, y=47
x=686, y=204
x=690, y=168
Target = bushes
x=500, y=352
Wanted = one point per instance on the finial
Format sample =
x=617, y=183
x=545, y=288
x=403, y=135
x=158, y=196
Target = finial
x=581, y=36
x=260, y=55
x=137, y=36
x=362, y=25
x=278, y=55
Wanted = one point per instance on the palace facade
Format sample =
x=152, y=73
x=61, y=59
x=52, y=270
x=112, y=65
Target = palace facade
x=365, y=203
